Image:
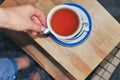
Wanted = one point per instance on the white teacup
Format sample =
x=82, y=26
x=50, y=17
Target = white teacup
x=52, y=14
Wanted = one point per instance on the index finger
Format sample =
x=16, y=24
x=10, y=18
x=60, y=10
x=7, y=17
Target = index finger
x=41, y=16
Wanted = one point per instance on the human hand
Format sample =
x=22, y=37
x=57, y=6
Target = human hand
x=25, y=18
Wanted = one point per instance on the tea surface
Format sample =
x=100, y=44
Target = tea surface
x=65, y=22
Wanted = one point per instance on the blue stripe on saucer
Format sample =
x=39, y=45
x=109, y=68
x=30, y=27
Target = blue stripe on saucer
x=86, y=36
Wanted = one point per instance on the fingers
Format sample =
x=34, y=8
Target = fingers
x=36, y=23
x=40, y=15
x=38, y=20
x=36, y=26
x=34, y=32
x=34, y=29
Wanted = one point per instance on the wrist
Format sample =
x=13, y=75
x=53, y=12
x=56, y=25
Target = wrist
x=3, y=18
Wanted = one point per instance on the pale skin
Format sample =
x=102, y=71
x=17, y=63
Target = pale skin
x=23, y=18
x=23, y=62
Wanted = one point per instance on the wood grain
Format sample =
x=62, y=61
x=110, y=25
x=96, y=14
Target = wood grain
x=33, y=49
x=79, y=61
x=37, y=53
x=82, y=59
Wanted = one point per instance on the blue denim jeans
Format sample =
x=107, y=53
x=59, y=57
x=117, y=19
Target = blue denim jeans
x=8, y=69
x=8, y=51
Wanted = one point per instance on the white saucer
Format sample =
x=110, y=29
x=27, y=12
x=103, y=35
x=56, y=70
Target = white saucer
x=84, y=33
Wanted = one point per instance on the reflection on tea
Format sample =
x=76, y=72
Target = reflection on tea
x=65, y=22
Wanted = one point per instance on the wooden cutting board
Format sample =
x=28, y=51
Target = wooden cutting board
x=79, y=61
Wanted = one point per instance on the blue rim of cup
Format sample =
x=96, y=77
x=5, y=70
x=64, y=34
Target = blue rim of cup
x=88, y=33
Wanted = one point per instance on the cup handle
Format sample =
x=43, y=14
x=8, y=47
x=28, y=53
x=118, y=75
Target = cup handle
x=85, y=28
x=45, y=30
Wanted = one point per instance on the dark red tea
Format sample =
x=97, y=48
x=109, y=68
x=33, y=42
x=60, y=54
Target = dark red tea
x=65, y=22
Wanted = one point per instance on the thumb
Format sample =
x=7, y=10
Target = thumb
x=36, y=27
x=36, y=24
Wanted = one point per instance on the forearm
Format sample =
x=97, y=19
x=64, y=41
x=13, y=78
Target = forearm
x=4, y=19
x=22, y=18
